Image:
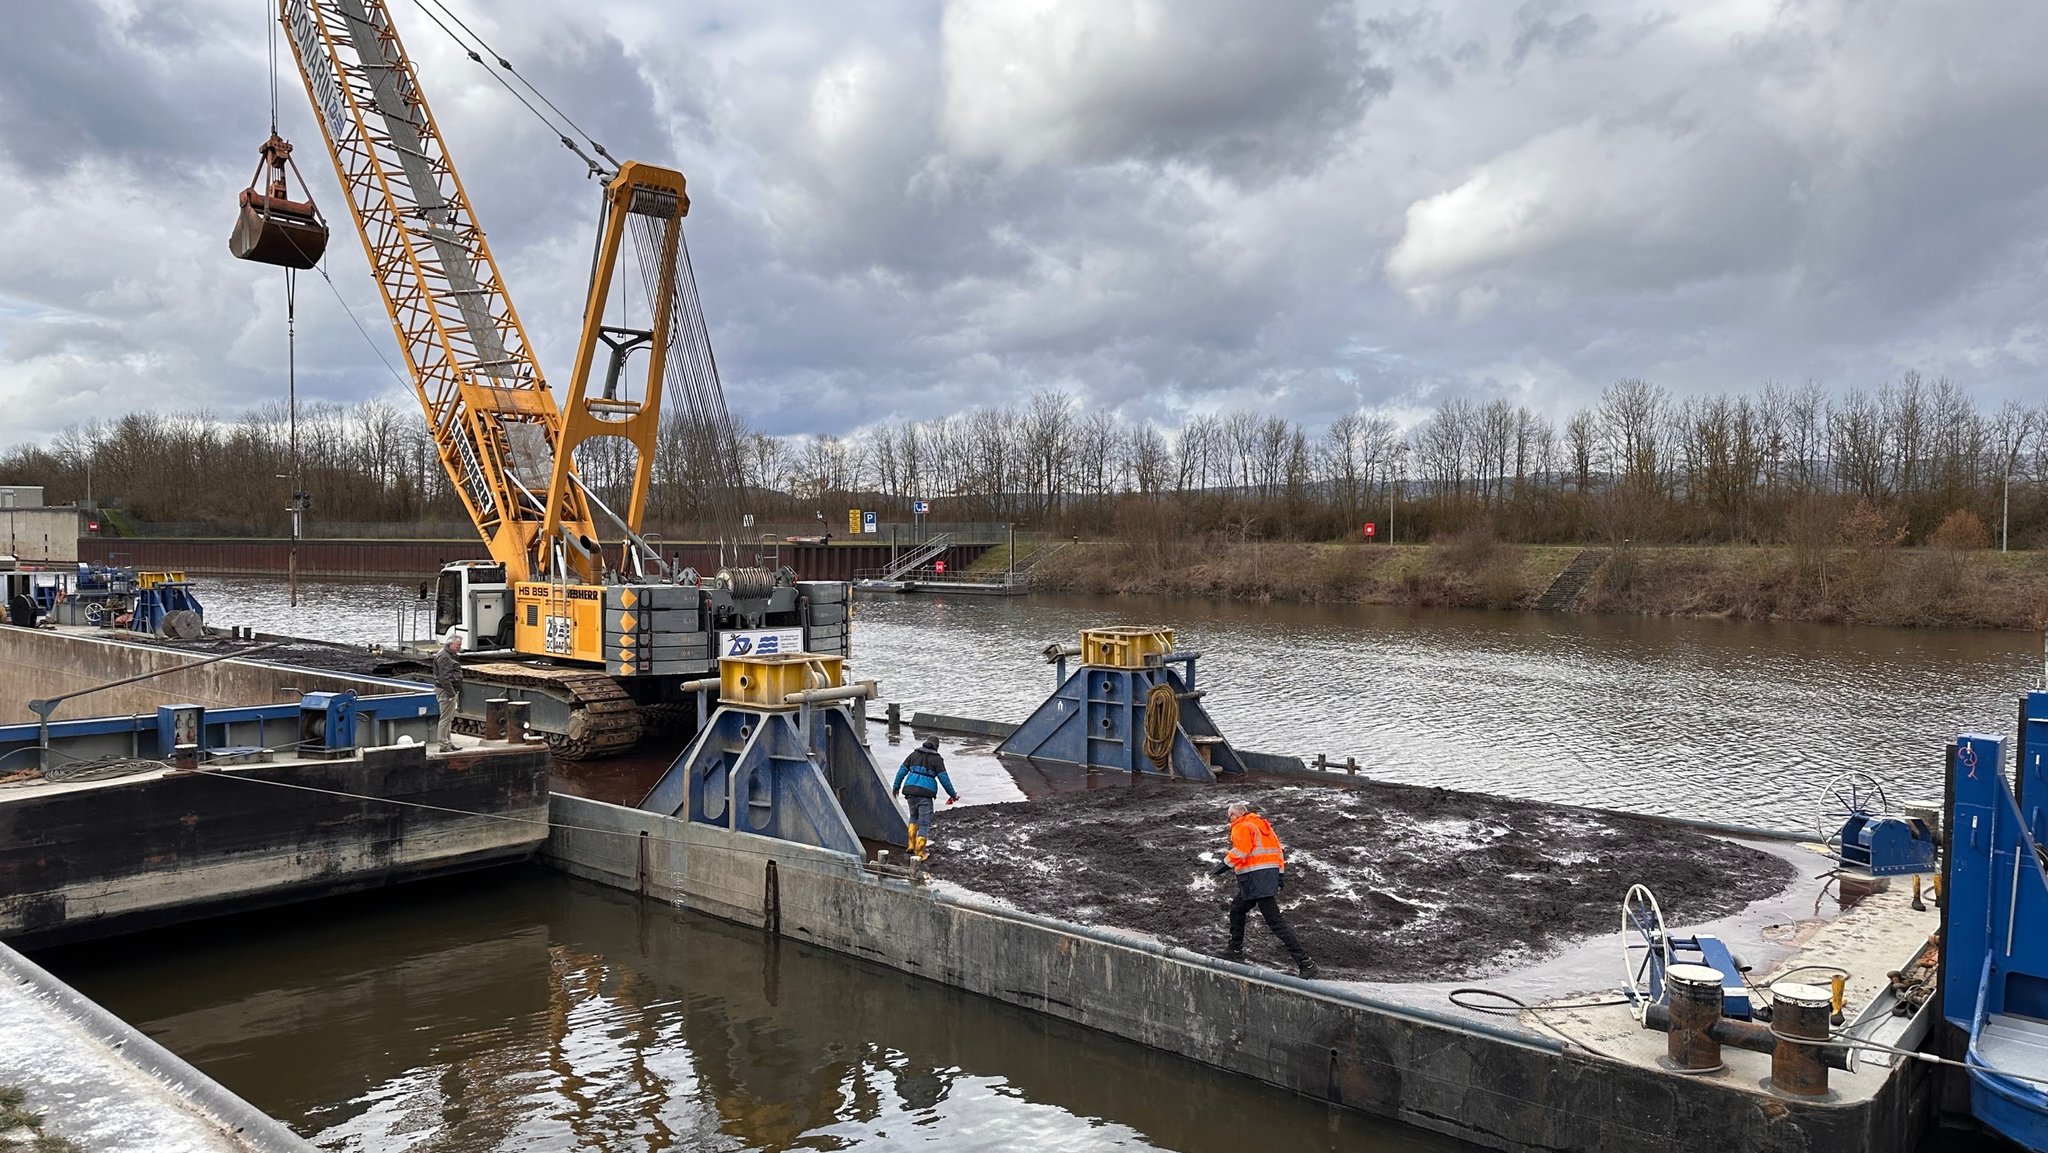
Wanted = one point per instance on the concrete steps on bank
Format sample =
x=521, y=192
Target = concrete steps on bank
x=1567, y=586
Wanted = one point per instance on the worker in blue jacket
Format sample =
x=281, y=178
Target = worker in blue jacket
x=922, y=775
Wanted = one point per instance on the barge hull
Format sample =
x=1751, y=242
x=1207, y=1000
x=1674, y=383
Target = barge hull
x=1493, y=1087
x=91, y=860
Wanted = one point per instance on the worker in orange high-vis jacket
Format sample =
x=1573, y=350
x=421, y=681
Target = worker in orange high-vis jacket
x=1261, y=867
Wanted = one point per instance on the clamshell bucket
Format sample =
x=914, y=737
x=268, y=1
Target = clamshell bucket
x=272, y=227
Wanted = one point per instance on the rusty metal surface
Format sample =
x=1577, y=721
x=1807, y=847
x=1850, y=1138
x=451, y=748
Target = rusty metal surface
x=1695, y=1008
x=287, y=241
x=1799, y=1069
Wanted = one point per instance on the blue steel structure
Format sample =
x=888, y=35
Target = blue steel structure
x=1994, y=962
x=1663, y=949
x=104, y=592
x=277, y=726
x=1096, y=719
x=160, y=600
x=799, y=774
x=327, y=722
x=1886, y=846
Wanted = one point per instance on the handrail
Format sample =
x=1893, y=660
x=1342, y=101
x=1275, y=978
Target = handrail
x=916, y=557
x=42, y=707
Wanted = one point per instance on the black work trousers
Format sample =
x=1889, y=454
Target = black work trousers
x=1269, y=908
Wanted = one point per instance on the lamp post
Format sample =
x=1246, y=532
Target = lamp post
x=292, y=555
x=1010, y=556
x=2005, y=511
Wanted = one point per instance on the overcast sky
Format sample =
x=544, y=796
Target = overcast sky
x=913, y=208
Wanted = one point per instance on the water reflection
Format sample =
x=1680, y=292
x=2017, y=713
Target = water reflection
x=518, y=1010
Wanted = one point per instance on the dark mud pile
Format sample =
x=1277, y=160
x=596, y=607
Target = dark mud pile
x=323, y=656
x=1384, y=882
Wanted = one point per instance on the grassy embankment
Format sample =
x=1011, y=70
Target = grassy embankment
x=1916, y=587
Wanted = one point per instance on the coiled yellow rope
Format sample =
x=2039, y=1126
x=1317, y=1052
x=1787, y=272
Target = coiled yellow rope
x=1162, y=721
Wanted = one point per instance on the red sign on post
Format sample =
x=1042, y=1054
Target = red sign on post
x=1371, y=530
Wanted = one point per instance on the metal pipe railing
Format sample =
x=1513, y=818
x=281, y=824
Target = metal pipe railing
x=42, y=707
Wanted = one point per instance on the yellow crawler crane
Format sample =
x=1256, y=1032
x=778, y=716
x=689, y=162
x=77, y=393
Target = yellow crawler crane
x=600, y=630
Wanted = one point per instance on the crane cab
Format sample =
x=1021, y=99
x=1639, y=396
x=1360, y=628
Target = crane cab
x=471, y=597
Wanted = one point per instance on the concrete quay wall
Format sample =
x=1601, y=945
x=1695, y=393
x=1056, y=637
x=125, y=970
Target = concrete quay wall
x=41, y=663
x=94, y=859
x=1497, y=1087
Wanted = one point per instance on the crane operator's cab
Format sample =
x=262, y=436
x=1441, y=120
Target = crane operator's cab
x=472, y=598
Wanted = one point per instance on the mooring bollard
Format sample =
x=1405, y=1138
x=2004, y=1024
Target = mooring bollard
x=496, y=711
x=895, y=717
x=518, y=716
x=1695, y=996
x=1799, y=1011
x=185, y=756
x=1351, y=766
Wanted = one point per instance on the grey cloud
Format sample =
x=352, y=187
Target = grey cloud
x=905, y=211
x=1097, y=81
x=1536, y=25
x=77, y=81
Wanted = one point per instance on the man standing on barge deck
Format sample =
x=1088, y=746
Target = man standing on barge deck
x=448, y=687
x=922, y=776
x=1261, y=868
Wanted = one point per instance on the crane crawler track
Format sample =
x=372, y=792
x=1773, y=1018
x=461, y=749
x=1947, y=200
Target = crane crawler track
x=602, y=720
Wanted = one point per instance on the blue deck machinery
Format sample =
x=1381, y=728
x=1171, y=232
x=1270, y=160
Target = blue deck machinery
x=1994, y=965
x=1866, y=840
x=784, y=755
x=111, y=596
x=1130, y=706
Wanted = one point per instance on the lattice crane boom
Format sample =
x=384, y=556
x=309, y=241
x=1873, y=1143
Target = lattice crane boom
x=494, y=420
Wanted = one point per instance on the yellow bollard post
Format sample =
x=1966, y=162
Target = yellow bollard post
x=1837, y=982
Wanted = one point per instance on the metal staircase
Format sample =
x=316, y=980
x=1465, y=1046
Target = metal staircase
x=915, y=559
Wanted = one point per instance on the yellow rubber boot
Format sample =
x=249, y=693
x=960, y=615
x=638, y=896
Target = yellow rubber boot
x=917, y=843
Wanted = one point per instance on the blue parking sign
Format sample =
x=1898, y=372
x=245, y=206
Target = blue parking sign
x=920, y=507
x=867, y=521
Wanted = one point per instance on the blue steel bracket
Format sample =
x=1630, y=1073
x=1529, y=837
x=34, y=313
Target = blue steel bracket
x=853, y=775
x=1096, y=719
x=752, y=772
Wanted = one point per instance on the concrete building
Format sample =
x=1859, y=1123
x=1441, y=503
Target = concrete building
x=37, y=534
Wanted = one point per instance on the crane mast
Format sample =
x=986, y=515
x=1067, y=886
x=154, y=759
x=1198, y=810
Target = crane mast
x=504, y=443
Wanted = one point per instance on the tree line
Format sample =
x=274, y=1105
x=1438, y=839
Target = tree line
x=1775, y=465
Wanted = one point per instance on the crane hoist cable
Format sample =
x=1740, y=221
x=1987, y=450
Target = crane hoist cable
x=596, y=169
x=272, y=26
x=530, y=85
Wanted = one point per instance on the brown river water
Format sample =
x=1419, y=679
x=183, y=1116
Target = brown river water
x=519, y=1010
x=1732, y=721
